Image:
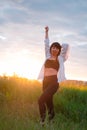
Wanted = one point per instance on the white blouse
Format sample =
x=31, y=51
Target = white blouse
x=62, y=58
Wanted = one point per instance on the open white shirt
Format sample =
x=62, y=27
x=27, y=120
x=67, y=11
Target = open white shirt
x=62, y=58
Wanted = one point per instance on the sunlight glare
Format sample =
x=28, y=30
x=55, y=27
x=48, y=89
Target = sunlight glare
x=21, y=65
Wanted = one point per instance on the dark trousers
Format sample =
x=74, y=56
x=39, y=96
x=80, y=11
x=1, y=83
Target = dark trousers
x=50, y=86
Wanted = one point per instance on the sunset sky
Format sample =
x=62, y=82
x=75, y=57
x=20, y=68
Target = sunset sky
x=22, y=25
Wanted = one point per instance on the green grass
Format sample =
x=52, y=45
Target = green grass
x=19, y=105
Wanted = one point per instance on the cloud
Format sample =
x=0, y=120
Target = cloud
x=69, y=16
x=68, y=20
x=39, y=12
x=2, y=37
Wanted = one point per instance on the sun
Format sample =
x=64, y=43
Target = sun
x=30, y=69
x=21, y=65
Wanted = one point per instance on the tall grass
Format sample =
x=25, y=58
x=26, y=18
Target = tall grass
x=19, y=105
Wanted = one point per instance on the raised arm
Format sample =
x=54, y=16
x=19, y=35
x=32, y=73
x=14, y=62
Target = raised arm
x=65, y=51
x=47, y=48
x=46, y=32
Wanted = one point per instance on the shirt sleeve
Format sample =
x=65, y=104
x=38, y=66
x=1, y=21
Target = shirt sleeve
x=65, y=51
x=47, y=48
x=61, y=72
x=41, y=74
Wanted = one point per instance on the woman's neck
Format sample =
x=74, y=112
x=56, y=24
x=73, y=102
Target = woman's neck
x=53, y=58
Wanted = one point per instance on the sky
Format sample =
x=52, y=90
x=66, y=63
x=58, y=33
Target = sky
x=22, y=25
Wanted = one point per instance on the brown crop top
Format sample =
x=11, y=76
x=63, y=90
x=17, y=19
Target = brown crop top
x=52, y=64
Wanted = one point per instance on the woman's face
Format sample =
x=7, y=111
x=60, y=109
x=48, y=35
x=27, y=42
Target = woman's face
x=54, y=51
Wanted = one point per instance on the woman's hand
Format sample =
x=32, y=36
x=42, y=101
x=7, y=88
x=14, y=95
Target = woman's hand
x=46, y=28
x=46, y=32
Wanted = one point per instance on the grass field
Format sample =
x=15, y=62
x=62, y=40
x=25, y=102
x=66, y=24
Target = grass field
x=19, y=105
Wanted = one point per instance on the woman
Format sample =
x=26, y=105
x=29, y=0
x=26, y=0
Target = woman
x=55, y=56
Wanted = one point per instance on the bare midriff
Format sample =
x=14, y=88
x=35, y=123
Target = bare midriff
x=50, y=72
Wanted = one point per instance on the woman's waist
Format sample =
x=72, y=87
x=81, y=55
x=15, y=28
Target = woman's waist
x=50, y=72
